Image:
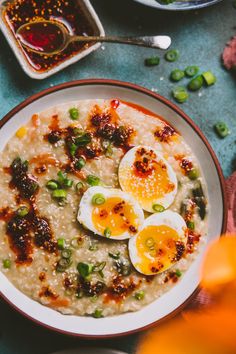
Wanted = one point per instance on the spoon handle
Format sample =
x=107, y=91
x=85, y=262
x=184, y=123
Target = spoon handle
x=160, y=42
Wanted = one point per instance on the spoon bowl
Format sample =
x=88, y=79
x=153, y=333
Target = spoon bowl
x=52, y=37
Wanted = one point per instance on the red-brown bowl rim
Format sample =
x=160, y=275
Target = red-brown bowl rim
x=176, y=109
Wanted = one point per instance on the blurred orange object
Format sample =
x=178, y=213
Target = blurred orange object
x=212, y=329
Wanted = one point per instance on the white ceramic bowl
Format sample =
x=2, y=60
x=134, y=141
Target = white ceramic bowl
x=180, y=294
x=92, y=17
x=179, y=5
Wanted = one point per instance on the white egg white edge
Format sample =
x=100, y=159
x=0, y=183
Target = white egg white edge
x=168, y=217
x=127, y=161
x=85, y=209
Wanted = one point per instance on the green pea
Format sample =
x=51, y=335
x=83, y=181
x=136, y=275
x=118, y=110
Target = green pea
x=193, y=174
x=6, y=263
x=74, y=113
x=139, y=295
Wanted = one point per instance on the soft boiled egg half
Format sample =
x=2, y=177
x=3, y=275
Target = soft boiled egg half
x=148, y=177
x=110, y=213
x=159, y=244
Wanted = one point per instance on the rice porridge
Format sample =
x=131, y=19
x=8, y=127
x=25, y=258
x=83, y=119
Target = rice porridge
x=103, y=206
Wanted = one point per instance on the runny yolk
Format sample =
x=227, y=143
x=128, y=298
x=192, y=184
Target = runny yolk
x=115, y=214
x=156, y=248
x=147, y=188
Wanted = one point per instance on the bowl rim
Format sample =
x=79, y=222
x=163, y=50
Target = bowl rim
x=174, y=8
x=140, y=89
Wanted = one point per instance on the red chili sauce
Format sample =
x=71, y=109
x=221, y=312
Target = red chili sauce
x=70, y=13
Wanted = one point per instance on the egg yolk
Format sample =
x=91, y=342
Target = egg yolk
x=158, y=247
x=147, y=180
x=115, y=214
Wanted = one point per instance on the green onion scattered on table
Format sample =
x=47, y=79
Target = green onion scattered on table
x=180, y=94
x=176, y=75
x=172, y=55
x=152, y=61
x=222, y=129
x=191, y=71
x=196, y=83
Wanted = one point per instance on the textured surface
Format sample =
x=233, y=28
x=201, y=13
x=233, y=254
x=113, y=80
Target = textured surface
x=200, y=37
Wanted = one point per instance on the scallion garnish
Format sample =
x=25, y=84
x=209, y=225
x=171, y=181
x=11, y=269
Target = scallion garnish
x=74, y=113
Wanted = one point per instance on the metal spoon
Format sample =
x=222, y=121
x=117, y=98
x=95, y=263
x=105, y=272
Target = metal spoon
x=62, y=38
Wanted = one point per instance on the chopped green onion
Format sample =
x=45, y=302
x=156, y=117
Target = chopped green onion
x=222, y=129
x=6, y=263
x=196, y=83
x=22, y=211
x=62, y=201
x=59, y=193
x=73, y=147
x=66, y=253
x=78, y=131
x=52, y=184
x=107, y=146
x=107, y=232
x=74, y=113
x=98, y=267
x=85, y=269
x=68, y=183
x=83, y=140
x=123, y=266
x=178, y=273
x=61, y=177
x=172, y=55
x=190, y=225
x=98, y=199
x=115, y=255
x=76, y=242
x=63, y=264
x=139, y=295
x=93, y=247
x=93, y=180
x=180, y=94
x=209, y=78
x=152, y=61
x=79, y=186
x=94, y=299
x=158, y=208
x=61, y=243
x=97, y=314
x=193, y=174
x=80, y=163
x=191, y=71
x=176, y=75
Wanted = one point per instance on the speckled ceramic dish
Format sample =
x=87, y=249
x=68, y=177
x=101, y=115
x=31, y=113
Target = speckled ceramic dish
x=179, y=5
x=173, y=300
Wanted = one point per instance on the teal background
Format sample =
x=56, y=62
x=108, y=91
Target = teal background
x=200, y=37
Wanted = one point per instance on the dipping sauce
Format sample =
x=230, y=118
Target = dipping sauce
x=68, y=12
x=44, y=37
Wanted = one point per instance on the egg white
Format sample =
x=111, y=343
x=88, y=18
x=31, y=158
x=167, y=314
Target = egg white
x=86, y=208
x=169, y=218
x=127, y=163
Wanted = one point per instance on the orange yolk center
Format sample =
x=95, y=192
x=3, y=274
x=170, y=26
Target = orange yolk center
x=156, y=247
x=115, y=214
x=147, y=180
